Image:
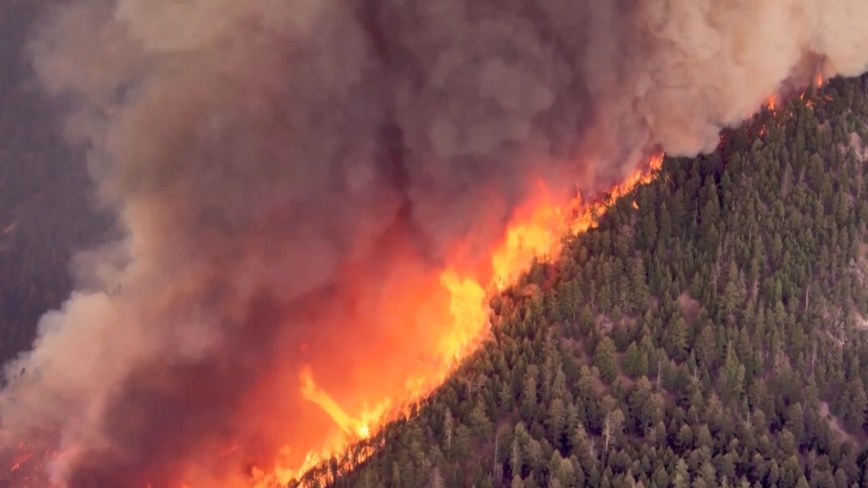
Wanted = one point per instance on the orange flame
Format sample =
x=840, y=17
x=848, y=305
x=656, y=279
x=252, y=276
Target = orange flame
x=20, y=460
x=359, y=427
x=773, y=104
x=535, y=232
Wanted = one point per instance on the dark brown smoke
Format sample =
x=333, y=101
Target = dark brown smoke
x=278, y=166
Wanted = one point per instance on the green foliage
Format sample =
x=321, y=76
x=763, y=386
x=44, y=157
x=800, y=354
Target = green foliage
x=714, y=336
x=604, y=360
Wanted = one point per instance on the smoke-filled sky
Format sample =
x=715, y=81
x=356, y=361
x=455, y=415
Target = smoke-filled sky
x=282, y=169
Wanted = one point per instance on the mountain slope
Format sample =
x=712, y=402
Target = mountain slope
x=45, y=214
x=712, y=334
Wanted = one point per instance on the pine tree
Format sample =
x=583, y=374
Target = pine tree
x=681, y=479
x=731, y=378
x=706, y=346
x=675, y=339
x=516, y=482
x=604, y=359
x=855, y=408
x=635, y=363
x=447, y=431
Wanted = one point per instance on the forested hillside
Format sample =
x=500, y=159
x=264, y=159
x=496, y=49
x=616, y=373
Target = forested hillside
x=45, y=215
x=710, y=332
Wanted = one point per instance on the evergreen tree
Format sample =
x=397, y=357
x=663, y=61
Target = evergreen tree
x=604, y=360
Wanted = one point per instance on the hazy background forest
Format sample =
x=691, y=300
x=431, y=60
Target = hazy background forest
x=45, y=214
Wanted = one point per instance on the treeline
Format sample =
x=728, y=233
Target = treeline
x=714, y=334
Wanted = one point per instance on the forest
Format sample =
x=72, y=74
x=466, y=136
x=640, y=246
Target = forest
x=711, y=331
x=45, y=214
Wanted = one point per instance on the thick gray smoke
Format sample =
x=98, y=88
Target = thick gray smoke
x=262, y=155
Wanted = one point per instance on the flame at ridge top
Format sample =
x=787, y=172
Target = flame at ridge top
x=774, y=102
x=535, y=233
x=305, y=138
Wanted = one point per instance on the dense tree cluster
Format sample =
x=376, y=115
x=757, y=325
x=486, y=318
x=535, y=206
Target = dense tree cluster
x=710, y=332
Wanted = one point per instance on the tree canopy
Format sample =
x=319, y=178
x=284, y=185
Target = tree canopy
x=712, y=334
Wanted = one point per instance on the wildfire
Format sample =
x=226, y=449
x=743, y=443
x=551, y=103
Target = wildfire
x=359, y=427
x=772, y=103
x=21, y=459
x=536, y=232
x=455, y=327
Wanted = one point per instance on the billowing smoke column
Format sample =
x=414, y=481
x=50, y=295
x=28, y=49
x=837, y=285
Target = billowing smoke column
x=280, y=167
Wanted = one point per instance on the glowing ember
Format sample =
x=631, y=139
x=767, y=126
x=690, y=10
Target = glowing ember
x=20, y=460
x=772, y=103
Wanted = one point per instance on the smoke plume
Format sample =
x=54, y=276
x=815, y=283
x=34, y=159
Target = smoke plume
x=281, y=170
